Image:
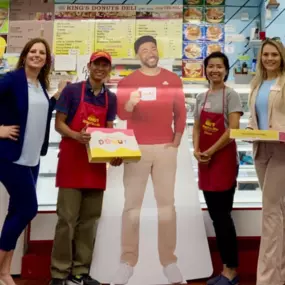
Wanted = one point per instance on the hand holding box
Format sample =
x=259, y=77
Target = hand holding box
x=106, y=144
x=257, y=135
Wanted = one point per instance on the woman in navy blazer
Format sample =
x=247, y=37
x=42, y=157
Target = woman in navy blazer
x=25, y=115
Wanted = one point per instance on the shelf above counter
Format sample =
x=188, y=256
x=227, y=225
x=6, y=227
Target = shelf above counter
x=190, y=88
x=255, y=43
x=190, y=121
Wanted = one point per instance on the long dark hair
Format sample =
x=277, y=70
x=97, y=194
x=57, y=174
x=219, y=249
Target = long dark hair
x=45, y=71
x=225, y=60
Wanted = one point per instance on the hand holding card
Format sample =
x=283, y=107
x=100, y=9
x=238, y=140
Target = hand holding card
x=148, y=93
x=135, y=97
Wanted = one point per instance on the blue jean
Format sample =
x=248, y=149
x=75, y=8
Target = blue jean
x=20, y=183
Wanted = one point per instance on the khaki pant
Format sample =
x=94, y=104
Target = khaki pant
x=77, y=212
x=270, y=168
x=160, y=162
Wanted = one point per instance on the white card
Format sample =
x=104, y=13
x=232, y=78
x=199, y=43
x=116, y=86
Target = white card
x=148, y=94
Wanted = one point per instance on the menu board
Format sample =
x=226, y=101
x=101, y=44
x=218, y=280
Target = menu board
x=95, y=11
x=204, y=2
x=113, y=28
x=31, y=10
x=203, y=34
x=4, y=28
x=23, y=31
x=73, y=37
x=163, y=23
x=116, y=27
x=82, y=28
x=109, y=37
x=29, y=19
x=4, y=16
x=167, y=33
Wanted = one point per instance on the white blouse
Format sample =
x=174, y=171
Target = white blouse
x=36, y=126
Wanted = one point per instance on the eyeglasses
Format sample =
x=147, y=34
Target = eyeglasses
x=276, y=39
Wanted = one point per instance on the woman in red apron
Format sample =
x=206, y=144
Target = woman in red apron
x=217, y=111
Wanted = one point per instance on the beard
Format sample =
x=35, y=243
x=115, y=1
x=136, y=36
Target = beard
x=151, y=64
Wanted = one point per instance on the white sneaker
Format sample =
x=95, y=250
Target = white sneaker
x=173, y=274
x=123, y=274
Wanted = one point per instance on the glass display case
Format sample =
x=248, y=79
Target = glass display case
x=248, y=192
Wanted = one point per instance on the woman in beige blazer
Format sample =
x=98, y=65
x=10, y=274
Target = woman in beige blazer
x=267, y=109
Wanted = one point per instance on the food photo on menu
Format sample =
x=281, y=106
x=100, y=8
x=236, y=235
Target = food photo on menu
x=193, y=14
x=193, y=50
x=115, y=14
x=157, y=15
x=215, y=2
x=214, y=47
x=3, y=16
x=215, y=15
x=193, y=69
x=206, y=2
x=78, y=15
x=192, y=32
x=193, y=2
x=215, y=33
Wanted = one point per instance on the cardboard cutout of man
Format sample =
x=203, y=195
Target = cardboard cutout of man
x=151, y=99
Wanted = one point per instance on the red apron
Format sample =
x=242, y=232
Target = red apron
x=74, y=169
x=220, y=173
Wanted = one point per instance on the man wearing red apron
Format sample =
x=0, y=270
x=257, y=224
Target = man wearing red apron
x=217, y=111
x=81, y=184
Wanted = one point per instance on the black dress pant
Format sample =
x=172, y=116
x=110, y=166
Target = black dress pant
x=220, y=206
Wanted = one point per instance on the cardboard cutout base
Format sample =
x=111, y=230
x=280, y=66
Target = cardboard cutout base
x=192, y=249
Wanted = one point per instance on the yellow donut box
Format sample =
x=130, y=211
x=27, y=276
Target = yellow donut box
x=107, y=143
x=257, y=135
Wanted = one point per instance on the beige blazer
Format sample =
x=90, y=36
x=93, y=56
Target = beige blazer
x=276, y=107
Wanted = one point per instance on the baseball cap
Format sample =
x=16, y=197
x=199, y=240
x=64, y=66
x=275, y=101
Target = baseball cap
x=100, y=54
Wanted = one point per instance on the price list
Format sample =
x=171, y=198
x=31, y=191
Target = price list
x=116, y=37
x=174, y=34
x=73, y=37
x=167, y=32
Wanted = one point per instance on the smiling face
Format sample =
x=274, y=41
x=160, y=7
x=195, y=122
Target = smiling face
x=271, y=58
x=36, y=57
x=216, y=70
x=148, y=54
x=99, y=69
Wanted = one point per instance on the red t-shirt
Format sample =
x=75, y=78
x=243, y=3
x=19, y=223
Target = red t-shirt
x=152, y=120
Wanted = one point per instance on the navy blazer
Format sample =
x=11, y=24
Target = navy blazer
x=14, y=107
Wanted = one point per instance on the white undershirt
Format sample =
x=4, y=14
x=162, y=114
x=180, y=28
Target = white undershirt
x=36, y=126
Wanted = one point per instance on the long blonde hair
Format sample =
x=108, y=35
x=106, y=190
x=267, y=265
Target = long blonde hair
x=261, y=73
